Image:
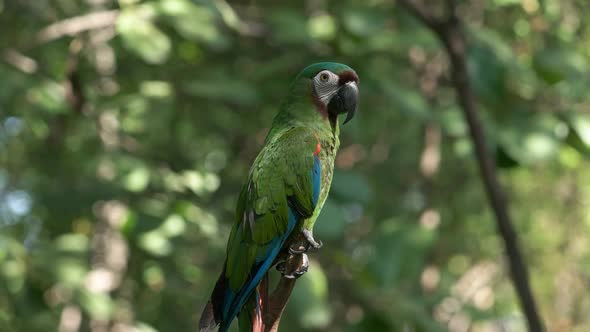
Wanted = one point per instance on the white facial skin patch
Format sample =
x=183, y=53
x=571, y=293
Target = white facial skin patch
x=326, y=85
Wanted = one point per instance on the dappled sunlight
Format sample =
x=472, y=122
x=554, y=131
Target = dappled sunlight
x=128, y=127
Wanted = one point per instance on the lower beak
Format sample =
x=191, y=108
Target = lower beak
x=345, y=101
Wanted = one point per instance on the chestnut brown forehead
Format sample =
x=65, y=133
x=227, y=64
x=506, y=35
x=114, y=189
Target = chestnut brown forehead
x=348, y=76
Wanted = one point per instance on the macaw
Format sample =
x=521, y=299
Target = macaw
x=286, y=188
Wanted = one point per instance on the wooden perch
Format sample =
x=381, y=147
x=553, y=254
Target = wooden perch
x=450, y=32
x=280, y=296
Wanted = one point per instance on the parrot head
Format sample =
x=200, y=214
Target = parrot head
x=334, y=88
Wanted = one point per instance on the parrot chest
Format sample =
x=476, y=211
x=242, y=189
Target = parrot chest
x=329, y=147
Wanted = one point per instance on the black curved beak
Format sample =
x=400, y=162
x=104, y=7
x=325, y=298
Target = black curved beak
x=345, y=101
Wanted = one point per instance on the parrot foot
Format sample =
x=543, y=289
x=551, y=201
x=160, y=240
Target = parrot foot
x=303, y=247
x=312, y=242
x=289, y=271
x=298, y=249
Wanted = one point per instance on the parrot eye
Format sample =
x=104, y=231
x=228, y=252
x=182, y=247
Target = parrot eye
x=325, y=84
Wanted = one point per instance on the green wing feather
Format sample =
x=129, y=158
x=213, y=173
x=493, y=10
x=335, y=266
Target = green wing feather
x=281, y=174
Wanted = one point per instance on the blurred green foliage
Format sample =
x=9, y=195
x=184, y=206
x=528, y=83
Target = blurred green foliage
x=114, y=215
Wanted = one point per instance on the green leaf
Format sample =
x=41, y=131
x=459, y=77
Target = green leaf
x=321, y=27
x=174, y=225
x=192, y=21
x=70, y=272
x=48, y=95
x=503, y=159
x=488, y=60
x=527, y=139
x=98, y=305
x=156, y=243
x=72, y=242
x=579, y=133
x=556, y=64
x=137, y=180
x=141, y=36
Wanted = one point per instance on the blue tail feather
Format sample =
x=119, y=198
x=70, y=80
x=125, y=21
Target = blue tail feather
x=233, y=302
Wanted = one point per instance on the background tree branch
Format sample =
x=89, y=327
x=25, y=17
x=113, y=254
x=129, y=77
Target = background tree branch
x=75, y=25
x=449, y=31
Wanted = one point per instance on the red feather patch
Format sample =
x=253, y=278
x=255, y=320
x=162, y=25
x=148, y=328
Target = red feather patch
x=317, y=149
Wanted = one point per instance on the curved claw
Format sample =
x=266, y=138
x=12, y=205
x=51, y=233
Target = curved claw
x=297, y=250
x=297, y=273
x=312, y=242
x=294, y=271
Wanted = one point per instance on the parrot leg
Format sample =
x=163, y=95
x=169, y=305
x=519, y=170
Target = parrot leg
x=289, y=271
x=312, y=242
x=301, y=248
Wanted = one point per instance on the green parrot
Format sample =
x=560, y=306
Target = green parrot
x=284, y=193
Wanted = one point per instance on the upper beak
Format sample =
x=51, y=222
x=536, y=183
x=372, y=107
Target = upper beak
x=345, y=100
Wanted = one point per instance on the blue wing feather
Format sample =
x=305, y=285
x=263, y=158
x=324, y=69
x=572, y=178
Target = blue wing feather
x=316, y=177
